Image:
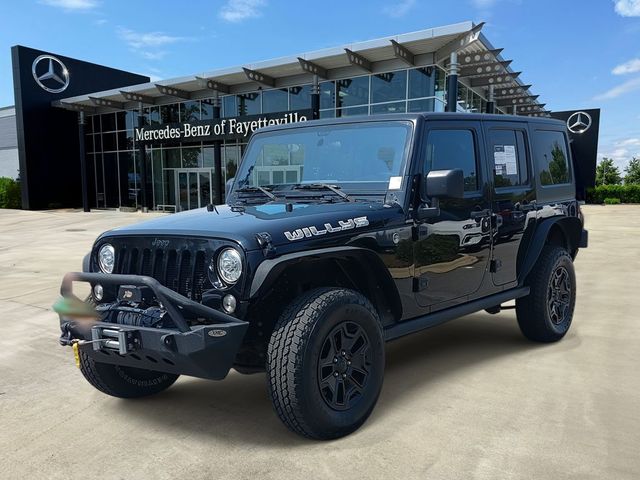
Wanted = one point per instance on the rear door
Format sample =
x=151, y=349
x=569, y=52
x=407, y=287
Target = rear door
x=509, y=158
x=451, y=251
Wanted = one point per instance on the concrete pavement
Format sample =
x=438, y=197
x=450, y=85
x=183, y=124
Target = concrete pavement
x=469, y=399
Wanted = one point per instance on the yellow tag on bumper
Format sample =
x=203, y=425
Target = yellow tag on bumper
x=76, y=354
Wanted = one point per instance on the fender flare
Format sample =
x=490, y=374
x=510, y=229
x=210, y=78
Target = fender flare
x=269, y=270
x=571, y=228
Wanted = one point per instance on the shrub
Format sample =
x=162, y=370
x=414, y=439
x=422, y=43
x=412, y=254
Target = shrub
x=611, y=201
x=629, y=193
x=10, y=193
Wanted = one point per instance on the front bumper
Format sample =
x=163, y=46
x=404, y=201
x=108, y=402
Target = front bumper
x=205, y=351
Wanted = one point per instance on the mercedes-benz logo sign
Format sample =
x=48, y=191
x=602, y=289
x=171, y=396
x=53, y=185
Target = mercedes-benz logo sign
x=579, y=122
x=50, y=73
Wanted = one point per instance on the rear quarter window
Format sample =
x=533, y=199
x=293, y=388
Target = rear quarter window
x=552, y=160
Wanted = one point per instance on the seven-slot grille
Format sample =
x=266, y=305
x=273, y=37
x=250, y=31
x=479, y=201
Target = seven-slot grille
x=181, y=270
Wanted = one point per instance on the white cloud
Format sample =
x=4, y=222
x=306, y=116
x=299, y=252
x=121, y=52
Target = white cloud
x=400, y=9
x=627, y=8
x=148, y=44
x=238, y=10
x=626, y=87
x=631, y=66
x=72, y=5
x=145, y=40
x=621, y=151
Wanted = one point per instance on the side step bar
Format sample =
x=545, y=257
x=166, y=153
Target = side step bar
x=431, y=320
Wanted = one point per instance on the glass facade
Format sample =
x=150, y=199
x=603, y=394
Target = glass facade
x=181, y=176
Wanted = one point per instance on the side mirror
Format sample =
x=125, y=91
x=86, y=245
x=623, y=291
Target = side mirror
x=436, y=185
x=444, y=184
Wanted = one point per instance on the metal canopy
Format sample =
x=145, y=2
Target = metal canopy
x=526, y=100
x=105, y=102
x=419, y=49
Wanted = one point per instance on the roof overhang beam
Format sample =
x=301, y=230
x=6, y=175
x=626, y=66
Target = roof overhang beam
x=107, y=103
x=312, y=68
x=214, y=86
x=403, y=53
x=358, y=60
x=521, y=100
x=138, y=97
x=459, y=43
x=500, y=79
x=511, y=92
x=173, y=92
x=259, y=77
x=485, y=69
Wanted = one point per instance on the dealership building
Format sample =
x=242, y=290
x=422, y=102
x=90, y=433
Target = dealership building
x=87, y=135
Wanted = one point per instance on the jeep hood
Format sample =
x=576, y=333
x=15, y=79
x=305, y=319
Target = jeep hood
x=242, y=224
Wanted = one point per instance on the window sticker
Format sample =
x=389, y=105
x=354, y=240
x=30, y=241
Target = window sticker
x=504, y=159
x=395, y=183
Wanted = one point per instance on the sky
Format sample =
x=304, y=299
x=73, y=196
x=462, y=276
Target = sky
x=576, y=53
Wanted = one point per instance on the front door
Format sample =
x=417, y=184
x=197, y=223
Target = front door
x=452, y=250
x=193, y=188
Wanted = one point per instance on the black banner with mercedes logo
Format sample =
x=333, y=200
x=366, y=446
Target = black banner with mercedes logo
x=583, y=127
x=47, y=136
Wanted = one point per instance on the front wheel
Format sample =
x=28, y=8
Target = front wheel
x=545, y=314
x=325, y=363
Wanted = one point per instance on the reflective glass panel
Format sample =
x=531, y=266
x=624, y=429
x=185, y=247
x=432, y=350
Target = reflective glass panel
x=353, y=91
x=190, y=111
x=394, y=107
x=300, y=97
x=422, y=82
x=249, y=103
x=275, y=100
x=389, y=86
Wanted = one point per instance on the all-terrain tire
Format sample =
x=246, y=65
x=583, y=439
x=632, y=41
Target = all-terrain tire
x=325, y=363
x=124, y=382
x=545, y=314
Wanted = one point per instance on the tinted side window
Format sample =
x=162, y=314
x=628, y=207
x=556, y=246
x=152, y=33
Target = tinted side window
x=448, y=149
x=508, y=153
x=552, y=158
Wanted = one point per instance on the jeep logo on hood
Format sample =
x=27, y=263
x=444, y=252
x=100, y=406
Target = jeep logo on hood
x=312, y=231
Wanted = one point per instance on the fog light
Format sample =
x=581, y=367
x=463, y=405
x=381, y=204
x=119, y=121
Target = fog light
x=229, y=303
x=98, y=292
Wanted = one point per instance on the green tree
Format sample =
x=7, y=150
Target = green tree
x=607, y=173
x=632, y=172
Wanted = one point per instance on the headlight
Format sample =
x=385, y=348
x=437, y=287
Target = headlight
x=106, y=258
x=230, y=265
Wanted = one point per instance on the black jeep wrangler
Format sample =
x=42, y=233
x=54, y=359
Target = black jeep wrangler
x=337, y=236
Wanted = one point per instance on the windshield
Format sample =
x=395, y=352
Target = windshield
x=355, y=157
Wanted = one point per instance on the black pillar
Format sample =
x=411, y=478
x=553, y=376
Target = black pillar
x=491, y=105
x=452, y=84
x=83, y=163
x=142, y=154
x=315, y=98
x=218, y=178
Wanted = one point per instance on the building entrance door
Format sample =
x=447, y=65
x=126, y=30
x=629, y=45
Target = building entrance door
x=193, y=188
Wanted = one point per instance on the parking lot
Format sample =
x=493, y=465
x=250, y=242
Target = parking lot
x=470, y=399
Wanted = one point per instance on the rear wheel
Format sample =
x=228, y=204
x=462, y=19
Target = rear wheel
x=326, y=363
x=124, y=382
x=545, y=315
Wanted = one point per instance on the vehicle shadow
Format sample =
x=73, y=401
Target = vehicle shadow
x=238, y=410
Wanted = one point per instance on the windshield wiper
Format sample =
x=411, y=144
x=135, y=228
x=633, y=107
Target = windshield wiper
x=257, y=189
x=323, y=186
